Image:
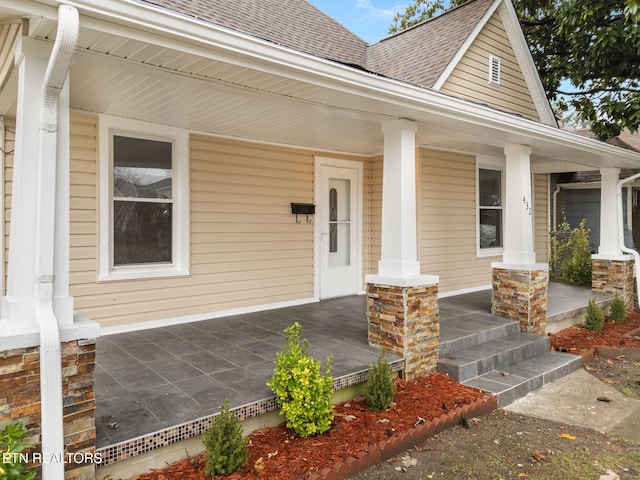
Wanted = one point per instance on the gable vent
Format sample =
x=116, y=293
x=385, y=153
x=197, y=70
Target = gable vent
x=494, y=70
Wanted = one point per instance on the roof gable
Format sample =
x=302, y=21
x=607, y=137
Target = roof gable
x=420, y=54
x=470, y=78
x=295, y=24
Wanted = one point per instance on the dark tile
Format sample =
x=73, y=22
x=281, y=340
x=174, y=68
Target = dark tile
x=150, y=352
x=209, y=392
x=175, y=369
x=169, y=403
x=207, y=362
x=140, y=377
x=238, y=356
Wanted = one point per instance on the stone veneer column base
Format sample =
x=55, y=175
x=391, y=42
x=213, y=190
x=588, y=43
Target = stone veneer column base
x=614, y=275
x=20, y=400
x=405, y=320
x=519, y=292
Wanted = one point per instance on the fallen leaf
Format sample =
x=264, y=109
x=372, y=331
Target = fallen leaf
x=349, y=418
x=538, y=457
x=568, y=436
x=604, y=399
x=259, y=466
x=621, y=357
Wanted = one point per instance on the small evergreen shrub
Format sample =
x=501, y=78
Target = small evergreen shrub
x=12, y=445
x=225, y=448
x=577, y=270
x=303, y=392
x=380, y=388
x=617, y=309
x=594, y=318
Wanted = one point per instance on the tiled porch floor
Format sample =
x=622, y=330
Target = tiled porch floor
x=153, y=379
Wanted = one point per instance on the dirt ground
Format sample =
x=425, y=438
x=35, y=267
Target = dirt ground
x=505, y=445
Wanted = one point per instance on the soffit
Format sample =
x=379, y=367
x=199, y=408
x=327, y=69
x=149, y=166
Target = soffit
x=223, y=92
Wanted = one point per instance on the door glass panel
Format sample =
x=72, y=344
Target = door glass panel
x=339, y=222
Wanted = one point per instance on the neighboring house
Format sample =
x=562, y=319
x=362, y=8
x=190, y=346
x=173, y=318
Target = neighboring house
x=576, y=196
x=186, y=130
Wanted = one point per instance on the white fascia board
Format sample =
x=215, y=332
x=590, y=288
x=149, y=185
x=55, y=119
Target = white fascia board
x=525, y=60
x=465, y=46
x=171, y=30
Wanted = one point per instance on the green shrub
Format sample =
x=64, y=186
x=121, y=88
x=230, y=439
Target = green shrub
x=617, y=309
x=577, y=270
x=380, y=388
x=12, y=445
x=304, y=394
x=225, y=448
x=594, y=318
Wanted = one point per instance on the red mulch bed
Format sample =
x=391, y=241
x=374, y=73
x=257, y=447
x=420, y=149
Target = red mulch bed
x=286, y=456
x=578, y=339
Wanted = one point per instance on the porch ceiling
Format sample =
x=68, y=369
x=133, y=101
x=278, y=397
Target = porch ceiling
x=242, y=87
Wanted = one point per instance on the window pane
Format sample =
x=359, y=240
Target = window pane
x=142, y=168
x=490, y=194
x=142, y=232
x=490, y=228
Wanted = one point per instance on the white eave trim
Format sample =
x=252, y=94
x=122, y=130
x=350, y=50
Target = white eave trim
x=170, y=30
x=525, y=60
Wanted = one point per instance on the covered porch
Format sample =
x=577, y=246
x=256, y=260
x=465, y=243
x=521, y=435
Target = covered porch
x=159, y=386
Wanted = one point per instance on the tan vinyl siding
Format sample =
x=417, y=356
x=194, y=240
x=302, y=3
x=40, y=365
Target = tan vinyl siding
x=447, y=221
x=376, y=213
x=8, y=147
x=470, y=78
x=245, y=245
x=541, y=216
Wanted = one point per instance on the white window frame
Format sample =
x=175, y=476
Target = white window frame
x=110, y=126
x=486, y=162
x=495, y=66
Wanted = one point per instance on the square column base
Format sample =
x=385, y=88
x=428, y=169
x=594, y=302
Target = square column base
x=614, y=275
x=20, y=401
x=405, y=321
x=520, y=293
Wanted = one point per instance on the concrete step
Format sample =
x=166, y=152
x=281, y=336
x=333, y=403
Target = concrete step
x=515, y=381
x=464, y=333
x=495, y=354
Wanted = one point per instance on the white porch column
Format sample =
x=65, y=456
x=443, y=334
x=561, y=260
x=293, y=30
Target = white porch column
x=518, y=228
x=609, y=205
x=519, y=284
x=18, y=306
x=399, y=256
x=402, y=306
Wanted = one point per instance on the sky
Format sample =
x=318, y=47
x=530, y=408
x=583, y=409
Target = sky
x=369, y=19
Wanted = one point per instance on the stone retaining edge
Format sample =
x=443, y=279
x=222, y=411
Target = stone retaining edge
x=387, y=449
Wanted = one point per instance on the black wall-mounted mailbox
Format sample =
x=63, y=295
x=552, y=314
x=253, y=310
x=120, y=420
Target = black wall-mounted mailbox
x=303, y=208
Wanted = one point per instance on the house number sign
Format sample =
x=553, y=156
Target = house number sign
x=527, y=207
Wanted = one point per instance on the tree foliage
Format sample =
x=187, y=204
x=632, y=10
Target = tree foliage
x=587, y=53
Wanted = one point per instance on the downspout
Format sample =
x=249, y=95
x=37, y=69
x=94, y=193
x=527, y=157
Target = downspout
x=623, y=247
x=50, y=351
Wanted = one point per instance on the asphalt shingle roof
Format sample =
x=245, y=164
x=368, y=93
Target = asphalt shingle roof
x=417, y=55
x=295, y=24
x=420, y=54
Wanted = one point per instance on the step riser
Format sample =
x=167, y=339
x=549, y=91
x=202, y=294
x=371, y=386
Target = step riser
x=479, y=338
x=461, y=370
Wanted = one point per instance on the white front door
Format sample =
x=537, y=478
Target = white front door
x=338, y=217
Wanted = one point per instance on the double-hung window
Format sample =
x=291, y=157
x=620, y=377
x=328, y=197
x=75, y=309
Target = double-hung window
x=144, y=209
x=490, y=195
